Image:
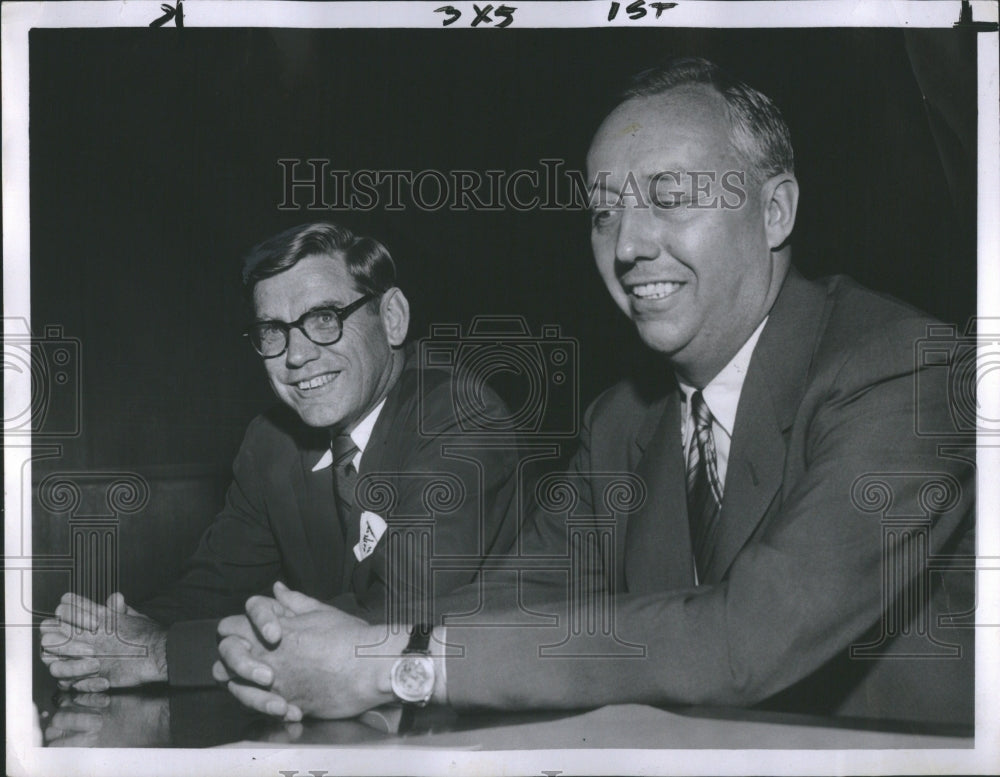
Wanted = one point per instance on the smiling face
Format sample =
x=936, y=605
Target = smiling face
x=683, y=248
x=331, y=385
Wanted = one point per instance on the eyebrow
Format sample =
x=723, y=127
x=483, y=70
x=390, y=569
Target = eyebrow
x=326, y=304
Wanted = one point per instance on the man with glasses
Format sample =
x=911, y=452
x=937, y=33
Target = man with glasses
x=331, y=488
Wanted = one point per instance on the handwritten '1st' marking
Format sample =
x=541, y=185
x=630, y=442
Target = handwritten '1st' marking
x=637, y=9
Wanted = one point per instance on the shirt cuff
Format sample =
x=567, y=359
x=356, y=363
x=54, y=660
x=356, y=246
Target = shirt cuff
x=192, y=648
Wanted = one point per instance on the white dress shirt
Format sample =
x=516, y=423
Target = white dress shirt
x=360, y=435
x=722, y=396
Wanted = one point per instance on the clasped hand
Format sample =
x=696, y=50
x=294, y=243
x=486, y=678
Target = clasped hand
x=293, y=655
x=91, y=647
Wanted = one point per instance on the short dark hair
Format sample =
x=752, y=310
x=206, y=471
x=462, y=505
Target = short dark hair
x=757, y=129
x=367, y=260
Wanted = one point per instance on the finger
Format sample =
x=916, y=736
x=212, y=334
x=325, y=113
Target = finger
x=220, y=673
x=264, y=701
x=51, y=646
x=52, y=733
x=280, y=736
x=90, y=686
x=53, y=626
x=237, y=626
x=74, y=669
x=235, y=654
x=296, y=601
x=288, y=733
x=72, y=720
x=95, y=701
x=58, y=645
x=67, y=700
x=117, y=603
x=51, y=657
x=263, y=614
x=74, y=599
x=81, y=616
x=80, y=602
x=54, y=637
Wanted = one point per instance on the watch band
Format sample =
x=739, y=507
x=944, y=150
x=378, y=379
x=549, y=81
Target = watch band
x=420, y=639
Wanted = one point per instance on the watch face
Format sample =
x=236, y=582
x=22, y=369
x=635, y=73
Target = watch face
x=413, y=678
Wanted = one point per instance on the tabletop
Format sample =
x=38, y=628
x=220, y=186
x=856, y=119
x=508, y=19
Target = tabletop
x=196, y=718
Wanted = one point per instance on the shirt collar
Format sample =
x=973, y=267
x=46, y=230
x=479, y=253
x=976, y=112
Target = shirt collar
x=361, y=434
x=722, y=394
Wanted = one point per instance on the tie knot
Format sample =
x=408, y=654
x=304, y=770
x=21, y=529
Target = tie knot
x=343, y=449
x=700, y=413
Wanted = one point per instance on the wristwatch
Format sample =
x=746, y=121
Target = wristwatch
x=413, y=673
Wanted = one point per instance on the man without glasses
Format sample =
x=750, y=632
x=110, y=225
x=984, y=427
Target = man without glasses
x=330, y=325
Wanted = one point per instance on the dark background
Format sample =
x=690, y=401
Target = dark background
x=154, y=168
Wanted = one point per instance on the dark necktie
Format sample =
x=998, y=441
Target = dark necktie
x=345, y=476
x=704, y=488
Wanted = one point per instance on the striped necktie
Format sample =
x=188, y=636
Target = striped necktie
x=345, y=476
x=704, y=489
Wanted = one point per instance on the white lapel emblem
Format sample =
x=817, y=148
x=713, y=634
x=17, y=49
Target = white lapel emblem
x=372, y=529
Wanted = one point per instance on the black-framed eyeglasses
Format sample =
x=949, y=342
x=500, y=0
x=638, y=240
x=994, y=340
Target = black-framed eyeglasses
x=323, y=326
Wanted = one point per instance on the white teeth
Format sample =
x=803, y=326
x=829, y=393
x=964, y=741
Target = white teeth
x=320, y=380
x=655, y=290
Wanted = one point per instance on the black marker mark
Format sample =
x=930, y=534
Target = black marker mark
x=482, y=15
x=453, y=12
x=506, y=13
x=965, y=21
x=637, y=9
x=170, y=12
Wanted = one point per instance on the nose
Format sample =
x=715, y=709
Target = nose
x=636, y=237
x=301, y=350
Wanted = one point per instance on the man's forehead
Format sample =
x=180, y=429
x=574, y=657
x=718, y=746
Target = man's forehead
x=317, y=278
x=692, y=115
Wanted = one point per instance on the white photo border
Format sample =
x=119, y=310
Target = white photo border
x=24, y=757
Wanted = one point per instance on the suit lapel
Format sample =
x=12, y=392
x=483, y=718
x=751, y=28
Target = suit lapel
x=319, y=517
x=658, y=542
x=384, y=439
x=756, y=462
x=768, y=403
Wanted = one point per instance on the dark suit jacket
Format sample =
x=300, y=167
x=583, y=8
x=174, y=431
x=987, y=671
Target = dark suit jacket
x=279, y=521
x=820, y=585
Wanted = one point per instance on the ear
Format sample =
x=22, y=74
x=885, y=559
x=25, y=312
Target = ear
x=394, y=310
x=781, y=201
